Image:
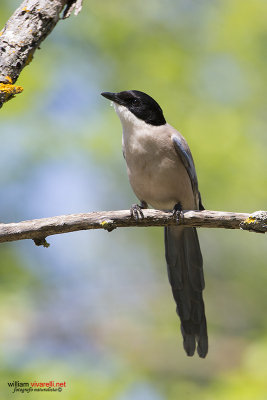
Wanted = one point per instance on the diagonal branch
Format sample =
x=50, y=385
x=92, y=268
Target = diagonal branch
x=39, y=229
x=30, y=24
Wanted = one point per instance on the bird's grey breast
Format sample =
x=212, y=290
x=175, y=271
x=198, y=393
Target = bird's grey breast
x=156, y=174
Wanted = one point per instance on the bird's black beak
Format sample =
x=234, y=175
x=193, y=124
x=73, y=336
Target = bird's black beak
x=113, y=97
x=109, y=95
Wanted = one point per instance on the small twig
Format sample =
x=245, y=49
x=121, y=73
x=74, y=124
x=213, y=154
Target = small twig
x=75, y=5
x=41, y=242
x=39, y=229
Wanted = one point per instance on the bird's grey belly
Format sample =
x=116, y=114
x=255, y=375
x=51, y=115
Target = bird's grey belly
x=161, y=182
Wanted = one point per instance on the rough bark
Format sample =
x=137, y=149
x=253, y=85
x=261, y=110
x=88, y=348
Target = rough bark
x=39, y=229
x=23, y=33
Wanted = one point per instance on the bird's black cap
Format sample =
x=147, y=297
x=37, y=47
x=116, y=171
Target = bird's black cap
x=140, y=104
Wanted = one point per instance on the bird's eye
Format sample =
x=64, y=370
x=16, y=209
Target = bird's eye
x=134, y=101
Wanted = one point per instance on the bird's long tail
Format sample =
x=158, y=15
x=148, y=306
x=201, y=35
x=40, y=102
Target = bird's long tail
x=185, y=271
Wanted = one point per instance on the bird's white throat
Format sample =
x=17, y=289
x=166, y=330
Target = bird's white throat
x=127, y=117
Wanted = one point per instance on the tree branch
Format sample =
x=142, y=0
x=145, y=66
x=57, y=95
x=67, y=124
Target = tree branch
x=23, y=33
x=39, y=229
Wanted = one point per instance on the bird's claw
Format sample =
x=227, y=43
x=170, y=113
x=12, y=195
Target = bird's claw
x=178, y=213
x=136, y=212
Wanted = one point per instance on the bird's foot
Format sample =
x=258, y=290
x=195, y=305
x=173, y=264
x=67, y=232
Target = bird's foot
x=178, y=213
x=136, y=210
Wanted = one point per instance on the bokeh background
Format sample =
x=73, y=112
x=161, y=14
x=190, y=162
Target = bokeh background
x=95, y=308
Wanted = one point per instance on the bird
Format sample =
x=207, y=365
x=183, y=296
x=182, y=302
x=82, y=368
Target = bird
x=162, y=175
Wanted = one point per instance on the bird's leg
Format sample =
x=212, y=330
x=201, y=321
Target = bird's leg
x=177, y=212
x=136, y=210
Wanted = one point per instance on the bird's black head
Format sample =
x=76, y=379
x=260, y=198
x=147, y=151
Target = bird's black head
x=140, y=104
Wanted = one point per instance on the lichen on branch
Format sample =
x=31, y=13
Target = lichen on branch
x=8, y=90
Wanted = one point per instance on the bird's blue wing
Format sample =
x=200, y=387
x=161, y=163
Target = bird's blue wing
x=184, y=153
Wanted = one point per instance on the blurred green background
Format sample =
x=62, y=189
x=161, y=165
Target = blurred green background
x=95, y=309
